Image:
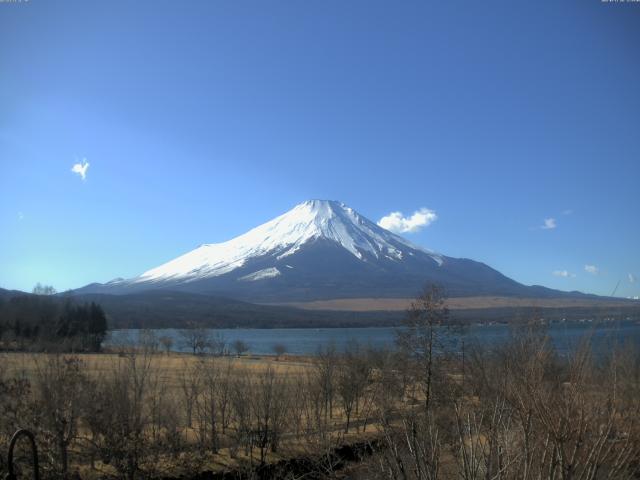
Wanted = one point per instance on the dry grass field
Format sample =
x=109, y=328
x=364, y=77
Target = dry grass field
x=184, y=398
x=174, y=365
x=456, y=303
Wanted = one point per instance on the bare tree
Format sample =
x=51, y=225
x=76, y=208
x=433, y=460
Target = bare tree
x=121, y=414
x=148, y=340
x=58, y=399
x=539, y=416
x=413, y=445
x=240, y=347
x=40, y=289
x=225, y=379
x=325, y=366
x=15, y=410
x=279, y=349
x=352, y=379
x=346, y=392
x=190, y=388
x=209, y=402
x=269, y=404
x=424, y=336
x=167, y=343
x=218, y=344
x=240, y=392
x=196, y=339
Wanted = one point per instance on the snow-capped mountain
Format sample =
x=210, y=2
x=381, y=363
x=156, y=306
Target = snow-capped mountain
x=318, y=250
x=283, y=237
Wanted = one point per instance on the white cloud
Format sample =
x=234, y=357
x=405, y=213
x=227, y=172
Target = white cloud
x=549, y=224
x=81, y=168
x=564, y=273
x=632, y=278
x=398, y=223
x=591, y=269
x=21, y=217
x=568, y=211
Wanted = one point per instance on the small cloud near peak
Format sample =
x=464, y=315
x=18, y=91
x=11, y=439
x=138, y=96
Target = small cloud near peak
x=563, y=273
x=632, y=278
x=549, y=224
x=81, y=168
x=398, y=223
x=592, y=269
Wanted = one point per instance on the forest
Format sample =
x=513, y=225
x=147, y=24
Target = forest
x=44, y=322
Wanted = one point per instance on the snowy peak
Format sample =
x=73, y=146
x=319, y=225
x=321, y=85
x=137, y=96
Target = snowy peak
x=318, y=250
x=285, y=235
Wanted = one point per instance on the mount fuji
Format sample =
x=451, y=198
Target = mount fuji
x=319, y=250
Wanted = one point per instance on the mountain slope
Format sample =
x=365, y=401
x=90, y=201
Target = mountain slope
x=162, y=309
x=283, y=237
x=169, y=309
x=319, y=250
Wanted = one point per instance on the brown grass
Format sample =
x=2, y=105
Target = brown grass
x=172, y=368
x=172, y=365
x=459, y=303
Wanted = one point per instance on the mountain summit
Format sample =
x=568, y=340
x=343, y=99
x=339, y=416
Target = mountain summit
x=284, y=236
x=319, y=249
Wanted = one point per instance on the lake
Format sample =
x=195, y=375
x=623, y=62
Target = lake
x=303, y=341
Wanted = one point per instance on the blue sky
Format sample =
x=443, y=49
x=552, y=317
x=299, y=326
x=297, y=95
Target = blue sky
x=200, y=120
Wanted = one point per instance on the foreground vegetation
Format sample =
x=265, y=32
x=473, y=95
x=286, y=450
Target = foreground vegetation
x=517, y=411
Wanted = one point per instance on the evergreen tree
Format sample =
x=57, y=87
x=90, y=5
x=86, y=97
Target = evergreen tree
x=97, y=325
x=46, y=322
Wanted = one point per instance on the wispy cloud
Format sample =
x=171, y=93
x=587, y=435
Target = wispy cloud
x=21, y=217
x=549, y=224
x=592, y=269
x=632, y=278
x=568, y=211
x=564, y=273
x=81, y=168
x=397, y=222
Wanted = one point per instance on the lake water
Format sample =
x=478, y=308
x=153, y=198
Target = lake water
x=302, y=341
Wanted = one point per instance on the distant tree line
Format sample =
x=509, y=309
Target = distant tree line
x=44, y=322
